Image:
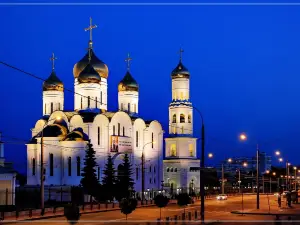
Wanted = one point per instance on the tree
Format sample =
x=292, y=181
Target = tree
x=89, y=179
x=125, y=182
x=109, y=179
x=72, y=213
x=183, y=199
x=161, y=201
x=127, y=206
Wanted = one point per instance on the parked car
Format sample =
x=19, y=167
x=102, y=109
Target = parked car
x=222, y=197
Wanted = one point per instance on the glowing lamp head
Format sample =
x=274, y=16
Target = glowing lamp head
x=295, y=168
x=289, y=164
x=210, y=155
x=243, y=137
x=245, y=164
x=268, y=171
x=274, y=173
x=229, y=160
x=277, y=153
x=280, y=159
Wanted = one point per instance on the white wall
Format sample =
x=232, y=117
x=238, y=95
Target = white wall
x=180, y=89
x=130, y=98
x=56, y=98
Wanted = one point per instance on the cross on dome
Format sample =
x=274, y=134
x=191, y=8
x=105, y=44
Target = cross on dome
x=90, y=28
x=53, y=58
x=180, y=54
x=127, y=60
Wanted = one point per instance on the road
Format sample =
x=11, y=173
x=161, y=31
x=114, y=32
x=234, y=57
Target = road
x=215, y=210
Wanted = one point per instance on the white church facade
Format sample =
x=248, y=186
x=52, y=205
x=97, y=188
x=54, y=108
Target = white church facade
x=181, y=164
x=65, y=133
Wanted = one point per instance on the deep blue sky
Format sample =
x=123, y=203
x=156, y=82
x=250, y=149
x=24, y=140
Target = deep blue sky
x=243, y=60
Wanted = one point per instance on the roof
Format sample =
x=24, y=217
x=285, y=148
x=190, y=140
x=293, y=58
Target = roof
x=7, y=168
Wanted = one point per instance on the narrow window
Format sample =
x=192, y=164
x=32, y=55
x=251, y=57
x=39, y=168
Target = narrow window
x=134, y=108
x=81, y=103
x=123, y=131
x=78, y=166
x=122, y=106
x=174, y=118
x=154, y=169
x=189, y=118
x=96, y=101
x=168, y=169
x=89, y=101
x=136, y=139
x=51, y=164
x=59, y=106
x=154, y=180
x=128, y=107
x=181, y=95
x=119, y=128
x=136, y=173
x=152, y=140
x=33, y=167
x=45, y=108
x=101, y=97
x=175, y=170
x=173, y=150
x=114, y=130
x=69, y=167
x=150, y=169
x=150, y=181
x=171, y=170
x=191, y=150
x=182, y=130
x=98, y=135
x=51, y=109
x=182, y=119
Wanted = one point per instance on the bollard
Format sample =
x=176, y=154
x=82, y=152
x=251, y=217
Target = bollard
x=158, y=221
x=167, y=220
x=175, y=219
x=190, y=216
x=17, y=213
x=195, y=214
x=43, y=212
x=183, y=216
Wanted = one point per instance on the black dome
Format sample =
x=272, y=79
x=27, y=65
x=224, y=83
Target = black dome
x=53, y=83
x=180, y=71
x=128, y=83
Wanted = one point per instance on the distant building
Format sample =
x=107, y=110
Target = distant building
x=7, y=179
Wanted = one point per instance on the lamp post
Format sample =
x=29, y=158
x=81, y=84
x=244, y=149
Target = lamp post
x=202, y=210
x=287, y=175
x=295, y=168
x=143, y=171
x=42, y=177
x=243, y=137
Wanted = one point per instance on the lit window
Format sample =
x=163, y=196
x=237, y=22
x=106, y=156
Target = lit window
x=136, y=139
x=182, y=118
x=89, y=101
x=173, y=150
x=114, y=130
x=181, y=95
x=189, y=118
x=191, y=150
x=119, y=128
x=174, y=118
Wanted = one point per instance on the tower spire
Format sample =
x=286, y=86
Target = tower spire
x=90, y=28
x=127, y=60
x=180, y=54
x=53, y=58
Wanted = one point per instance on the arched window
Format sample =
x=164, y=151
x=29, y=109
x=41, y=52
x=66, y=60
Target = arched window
x=101, y=97
x=33, y=167
x=123, y=131
x=150, y=180
x=181, y=95
x=119, y=129
x=171, y=170
x=128, y=107
x=154, y=169
x=182, y=118
x=51, y=164
x=114, y=130
x=45, y=108
x=191, y=150
x=189, y=118
x=81, y=103
x=89, y=101
x=69, y=167
x=122, y=106
x=99, y=135
x=78, y=166
x=174, y=118
x=136, y=173
x=136, y=139
x=96, y=102
x=51, y=107
x=175, y=170
x=152, y=140
x=154, y=180
x=150, y=169
x=59, y=106
x=168, y=169
x=173, y=150
x=134, y=107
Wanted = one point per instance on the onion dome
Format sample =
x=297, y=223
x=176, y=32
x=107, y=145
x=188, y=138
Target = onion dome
x=89, y=75
x=54, y=130
x=128, y=83
x=180, y=71
x=96, y=63
x=53, y=83
x=76, y=135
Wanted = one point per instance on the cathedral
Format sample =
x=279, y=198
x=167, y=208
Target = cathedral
x=65, y=133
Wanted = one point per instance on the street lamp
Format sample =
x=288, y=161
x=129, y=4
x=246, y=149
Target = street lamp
x=280, y=159
x=243, y=137
x=277, y=153
x=42, y=161
x=143, y=171
x=210, y=155
x=295, y=168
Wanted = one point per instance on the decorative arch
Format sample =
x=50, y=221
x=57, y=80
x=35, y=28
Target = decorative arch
x=174, y=118
x=173, y=151
x=189, y=118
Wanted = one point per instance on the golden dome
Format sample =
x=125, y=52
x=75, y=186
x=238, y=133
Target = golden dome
x=53, y=83
x=96, y=63
x=128, y=83
x=89, y=75
x=180, y=71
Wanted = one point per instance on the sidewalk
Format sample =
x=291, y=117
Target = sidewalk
x=59, y=212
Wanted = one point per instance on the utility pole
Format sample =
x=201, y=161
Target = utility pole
x=202, y=171
x=239, y=180
x=295, y=179
x=257, y=177
x=143, y=177
x=42, y=172
x=223, y=183
x=287, y=176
